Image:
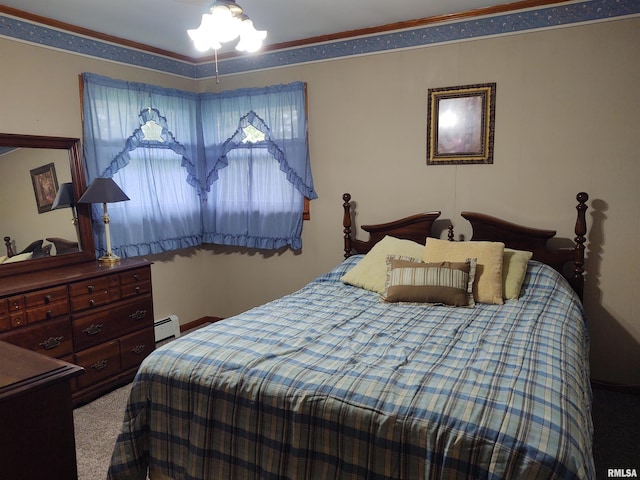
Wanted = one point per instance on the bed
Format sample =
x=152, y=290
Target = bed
x=338, y=381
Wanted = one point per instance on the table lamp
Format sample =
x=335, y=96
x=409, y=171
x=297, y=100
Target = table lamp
x=104, y=190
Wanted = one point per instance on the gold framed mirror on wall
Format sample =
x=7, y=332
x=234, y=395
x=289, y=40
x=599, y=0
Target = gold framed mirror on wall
x=37, y=238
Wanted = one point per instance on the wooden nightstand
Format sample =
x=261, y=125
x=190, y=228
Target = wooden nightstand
x=36, y=415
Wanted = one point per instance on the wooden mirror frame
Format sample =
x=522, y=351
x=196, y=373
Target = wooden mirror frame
x=78, y=178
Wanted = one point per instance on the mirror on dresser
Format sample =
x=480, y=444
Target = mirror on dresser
x=24, y=159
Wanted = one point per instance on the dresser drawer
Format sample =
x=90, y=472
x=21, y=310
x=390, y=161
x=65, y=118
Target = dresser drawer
x=135, y=282
x=99, y=363
x=46, y=296
x=139, y=275
x=94, y=300
x=52, y=338
x=18, y=319
x=15, y=304
x=133, y=289
x=47, y=312
x=93, y=328
x=94, y=293
x=135, y=347
x=93, y=285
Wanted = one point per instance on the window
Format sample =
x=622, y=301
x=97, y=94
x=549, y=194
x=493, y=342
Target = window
x=258, y=171
x=230, y=168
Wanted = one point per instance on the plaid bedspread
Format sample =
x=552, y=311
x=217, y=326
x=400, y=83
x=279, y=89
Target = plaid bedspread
x=331, y=383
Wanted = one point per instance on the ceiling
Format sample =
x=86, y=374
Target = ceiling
x=162, y=24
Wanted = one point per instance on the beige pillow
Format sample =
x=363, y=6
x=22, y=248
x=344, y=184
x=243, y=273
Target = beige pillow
x=514, y=269
x=2, y=258
x=371, y=271
x=447, y=283
x=488, y=285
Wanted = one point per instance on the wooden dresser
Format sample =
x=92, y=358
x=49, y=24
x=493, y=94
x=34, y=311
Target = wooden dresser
x=99, y=317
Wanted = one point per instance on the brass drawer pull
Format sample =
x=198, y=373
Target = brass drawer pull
x=138, y=349
x=51, y=343
x=49, y=313
x=138, y=315
x=92, y=302
x=47, y=299
x=99, y=365
x=93, y=329
x=90, y=288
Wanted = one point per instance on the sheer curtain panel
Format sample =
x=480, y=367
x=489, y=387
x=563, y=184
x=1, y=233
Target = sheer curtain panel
x=146, y=139
x=257, y=163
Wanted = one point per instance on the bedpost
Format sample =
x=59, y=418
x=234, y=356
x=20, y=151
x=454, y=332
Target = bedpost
x=580, y=231
x=7, y=243
x=450, y=235
x=346, y=223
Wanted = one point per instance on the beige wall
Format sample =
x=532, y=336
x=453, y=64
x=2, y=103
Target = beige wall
x=566, y=120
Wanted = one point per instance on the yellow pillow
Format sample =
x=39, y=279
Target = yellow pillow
x=371, y=271
x=488, y=284
x=514, y=269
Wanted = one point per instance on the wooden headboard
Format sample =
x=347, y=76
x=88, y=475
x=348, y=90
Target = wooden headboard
x=416, y=228
x=485, y=228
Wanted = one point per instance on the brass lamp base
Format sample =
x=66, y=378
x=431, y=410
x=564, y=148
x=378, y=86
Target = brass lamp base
x=109, y=259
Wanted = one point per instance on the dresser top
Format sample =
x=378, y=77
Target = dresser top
x=48, y=278
x=22, y=369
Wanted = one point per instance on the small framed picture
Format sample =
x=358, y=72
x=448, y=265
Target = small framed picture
x=460, y=124
x=45, y=186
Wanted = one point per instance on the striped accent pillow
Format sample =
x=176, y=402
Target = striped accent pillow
x=447, y=283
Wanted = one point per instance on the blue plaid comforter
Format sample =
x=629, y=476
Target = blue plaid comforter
x=330, y=382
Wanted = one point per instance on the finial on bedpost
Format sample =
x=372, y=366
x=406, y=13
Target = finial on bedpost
x=7, y=243
x=580, y=231
x=450, y=235
x=346, y=223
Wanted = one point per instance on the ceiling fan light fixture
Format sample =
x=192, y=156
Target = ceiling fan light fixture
x=250, y=38
x=230, y=5
x=225, y=22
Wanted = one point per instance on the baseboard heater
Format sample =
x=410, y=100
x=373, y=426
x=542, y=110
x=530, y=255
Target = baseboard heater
x=166, y=327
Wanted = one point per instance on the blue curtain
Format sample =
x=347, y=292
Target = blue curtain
x=256, y=189
x=146, y=139
x=170, y=151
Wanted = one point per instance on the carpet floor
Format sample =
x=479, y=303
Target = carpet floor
x=97, y=425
